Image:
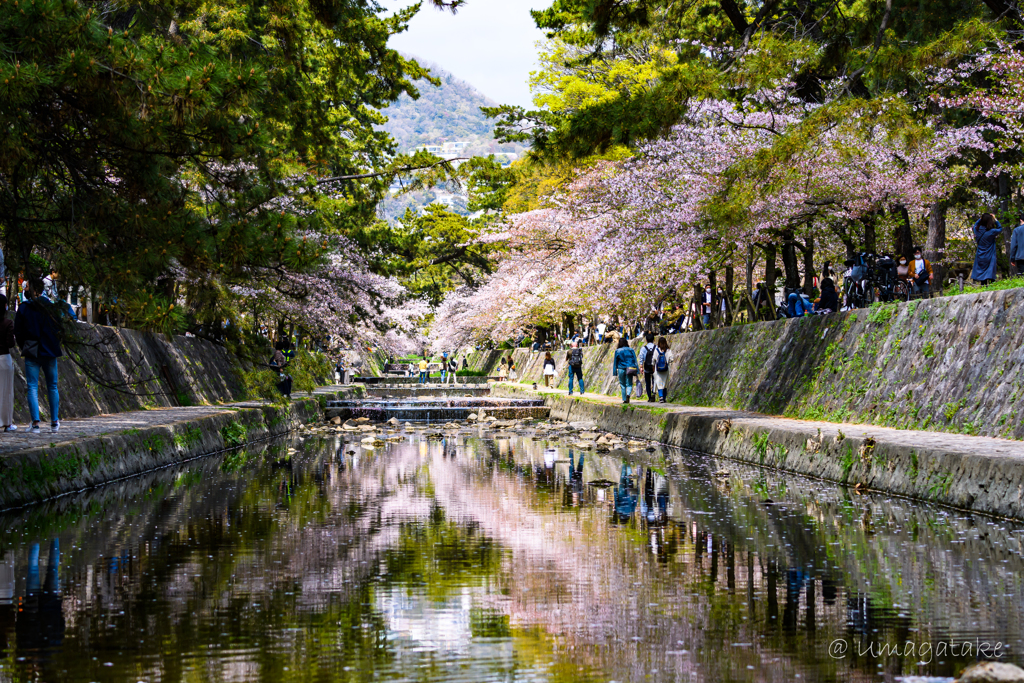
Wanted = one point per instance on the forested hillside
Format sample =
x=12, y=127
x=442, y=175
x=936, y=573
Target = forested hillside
x=444, y=114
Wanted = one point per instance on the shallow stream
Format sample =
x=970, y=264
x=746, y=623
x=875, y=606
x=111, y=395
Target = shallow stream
x=486, y=556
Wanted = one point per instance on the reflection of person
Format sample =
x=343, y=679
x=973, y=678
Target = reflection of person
x=576, y=472
x=625, y=497
x=40, y=623
x=655, y=502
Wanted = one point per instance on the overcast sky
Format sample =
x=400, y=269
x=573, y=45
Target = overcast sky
x=489, y=43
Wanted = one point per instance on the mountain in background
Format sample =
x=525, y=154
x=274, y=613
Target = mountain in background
x=448, y=113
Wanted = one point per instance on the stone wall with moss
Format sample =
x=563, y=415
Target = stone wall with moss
x=110, y=370
x=951, y=364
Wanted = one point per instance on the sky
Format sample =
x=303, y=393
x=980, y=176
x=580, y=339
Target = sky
x=488, y=43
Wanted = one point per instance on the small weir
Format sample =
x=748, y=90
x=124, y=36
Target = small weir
x=403, y=380
x=439, y=408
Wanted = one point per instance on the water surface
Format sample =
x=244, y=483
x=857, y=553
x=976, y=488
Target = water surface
x=472, y=558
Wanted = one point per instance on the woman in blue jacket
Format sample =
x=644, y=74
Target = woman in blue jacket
x=625, y=367
x=986, y=230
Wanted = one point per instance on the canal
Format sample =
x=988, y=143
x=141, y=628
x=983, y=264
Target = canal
x=497, y=555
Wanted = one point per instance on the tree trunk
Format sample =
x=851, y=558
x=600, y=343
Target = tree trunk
x=770, y=273
x=935, y=247
x=750, y=270
x=730, y=276
x=870, y=240
x=1004, y=210
x=713, y=281
x=569, y=323
x=789, y=261
x=808, y=265
x=903, y=238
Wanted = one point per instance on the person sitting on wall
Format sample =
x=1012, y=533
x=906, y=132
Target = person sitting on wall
x=796, y=305
x=829, y=299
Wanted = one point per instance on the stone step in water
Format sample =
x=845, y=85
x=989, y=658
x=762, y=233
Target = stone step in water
x=438, y=408
x=370, y=381
x=396, y=391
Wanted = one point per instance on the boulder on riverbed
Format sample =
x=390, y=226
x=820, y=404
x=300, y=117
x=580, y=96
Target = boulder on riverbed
x=992, y=672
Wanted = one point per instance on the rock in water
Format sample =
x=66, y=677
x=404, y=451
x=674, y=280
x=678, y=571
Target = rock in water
x=992, y=672
x=472, y=416
x=334, y=420
x=394, y=422
x=361, y=420
x=583, y=426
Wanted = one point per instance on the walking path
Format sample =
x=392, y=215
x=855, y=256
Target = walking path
x=974, y=445
x=77, y=429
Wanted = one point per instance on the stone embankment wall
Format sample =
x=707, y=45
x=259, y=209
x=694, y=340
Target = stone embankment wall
x=38, y=474
x=946, y=364
x=947, y=469
x=111, y=370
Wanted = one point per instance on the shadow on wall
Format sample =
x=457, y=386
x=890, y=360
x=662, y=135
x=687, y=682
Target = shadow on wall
x=951, y=364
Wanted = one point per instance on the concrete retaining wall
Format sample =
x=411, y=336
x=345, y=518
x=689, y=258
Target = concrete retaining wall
x=946, y=470
x=111, y=370
x=952, y=364
x=38, y=474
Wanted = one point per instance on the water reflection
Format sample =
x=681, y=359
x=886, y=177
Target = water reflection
x=478, y=559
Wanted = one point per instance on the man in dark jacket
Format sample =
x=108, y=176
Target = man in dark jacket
x=38, y=332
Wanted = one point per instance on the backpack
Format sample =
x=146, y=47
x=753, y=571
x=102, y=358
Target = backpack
x=662, y=361
x=649, y=358
x=576, y=358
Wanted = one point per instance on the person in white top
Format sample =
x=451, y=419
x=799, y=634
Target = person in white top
x=662, y=362
x=647, y=360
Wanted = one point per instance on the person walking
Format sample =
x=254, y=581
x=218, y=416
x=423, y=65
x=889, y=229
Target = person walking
x=502, y=370
x=512, y=376
x=661, y=366
x=424, y=365
x=39, y=332
x=986, y=230
x=549, y=369
x=647, y=365
x=444, y=367
x=624, y=366
x=453, y=367
x=1017, y=245
x=7, y=342
x=707, y=303
x=574, y=360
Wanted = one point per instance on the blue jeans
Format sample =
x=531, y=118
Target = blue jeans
x=706, y=320
x=49, y=367
x=423, y=377
x=578, y=373
x=625, y=384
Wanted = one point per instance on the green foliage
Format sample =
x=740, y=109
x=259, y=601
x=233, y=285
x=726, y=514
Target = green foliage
x=432, y=253
x=928, y=351
x=262, y=383
x=234, y=434
x=309, y=369
x=880, y=313
x=187, y=437
x=161, y=153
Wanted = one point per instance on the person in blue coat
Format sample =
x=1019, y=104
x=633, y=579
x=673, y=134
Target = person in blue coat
x=625, y=367
x=986, y=230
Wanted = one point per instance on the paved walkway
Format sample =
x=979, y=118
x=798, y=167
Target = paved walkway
x=78, y=428
x=939, y=441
